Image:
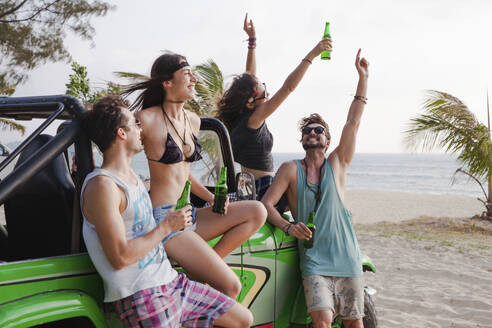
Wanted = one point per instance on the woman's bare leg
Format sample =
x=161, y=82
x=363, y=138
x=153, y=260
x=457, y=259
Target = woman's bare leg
x=237, y=317
x=242, y=220
x=202, y=263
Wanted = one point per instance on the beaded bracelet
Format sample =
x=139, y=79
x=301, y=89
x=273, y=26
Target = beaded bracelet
x=251, y=43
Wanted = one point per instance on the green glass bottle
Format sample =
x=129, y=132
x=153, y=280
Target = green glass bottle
x=310, y=225
x=184, y=199
x=220, y=192
x=326, y=54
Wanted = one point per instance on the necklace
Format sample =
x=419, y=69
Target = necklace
x=186, y=147
x=317, y=193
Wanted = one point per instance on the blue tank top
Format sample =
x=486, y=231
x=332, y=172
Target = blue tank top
x=335, y=251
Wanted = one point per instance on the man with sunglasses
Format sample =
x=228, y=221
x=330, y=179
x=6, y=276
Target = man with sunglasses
x=331, y=269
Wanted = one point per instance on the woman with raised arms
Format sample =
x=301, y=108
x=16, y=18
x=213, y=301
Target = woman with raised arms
x=246, y=105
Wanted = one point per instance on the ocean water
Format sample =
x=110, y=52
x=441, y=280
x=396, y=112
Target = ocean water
x=414, y=173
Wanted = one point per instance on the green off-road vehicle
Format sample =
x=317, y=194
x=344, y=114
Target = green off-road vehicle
x=46, y=276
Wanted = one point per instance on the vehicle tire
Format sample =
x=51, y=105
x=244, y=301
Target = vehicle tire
x=370, y=319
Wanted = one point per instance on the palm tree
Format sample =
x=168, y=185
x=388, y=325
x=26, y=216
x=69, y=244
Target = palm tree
x=209, y=88
x=449, y=124
x=9, y=124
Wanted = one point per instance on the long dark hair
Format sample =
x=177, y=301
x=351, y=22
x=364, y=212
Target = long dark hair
x=235, y=99
x=153, y=93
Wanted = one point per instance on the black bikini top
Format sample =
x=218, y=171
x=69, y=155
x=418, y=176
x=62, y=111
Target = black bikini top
x=173, y=154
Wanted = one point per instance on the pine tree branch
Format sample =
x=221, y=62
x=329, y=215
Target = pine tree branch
x=13, y=10
x=39, y=11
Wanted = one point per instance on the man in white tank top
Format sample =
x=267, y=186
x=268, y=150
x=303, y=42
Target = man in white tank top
x=124, y=241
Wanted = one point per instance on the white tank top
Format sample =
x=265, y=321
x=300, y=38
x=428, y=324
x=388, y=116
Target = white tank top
x=153, y=269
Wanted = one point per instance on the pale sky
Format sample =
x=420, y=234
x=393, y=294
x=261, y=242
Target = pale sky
x=412, y=46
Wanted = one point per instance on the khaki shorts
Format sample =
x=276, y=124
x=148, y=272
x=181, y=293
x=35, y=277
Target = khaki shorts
x=342, y=295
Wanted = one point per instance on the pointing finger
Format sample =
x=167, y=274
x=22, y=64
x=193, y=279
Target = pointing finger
x=357, y=58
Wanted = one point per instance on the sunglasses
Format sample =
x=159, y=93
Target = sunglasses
x=136, y=124
x=264, y=94
x=317, y=130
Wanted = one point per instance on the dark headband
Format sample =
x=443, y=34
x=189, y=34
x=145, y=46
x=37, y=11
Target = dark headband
x=179, y=66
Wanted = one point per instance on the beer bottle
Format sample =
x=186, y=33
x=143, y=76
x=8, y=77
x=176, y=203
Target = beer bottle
x=184, y=199
x=310, y=225
x=326, y=54
x=220, y=192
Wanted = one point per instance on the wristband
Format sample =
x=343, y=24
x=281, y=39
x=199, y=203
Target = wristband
x=288, y=225
x=251, y=43
x=361, y=98
x=307, y=60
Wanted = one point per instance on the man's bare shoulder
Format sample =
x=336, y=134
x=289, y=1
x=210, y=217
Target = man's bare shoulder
x=99, y=188
x=287, y=169
x=101, y=196
x=289, y=165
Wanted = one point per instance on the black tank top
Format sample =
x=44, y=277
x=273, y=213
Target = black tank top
x=252, y=148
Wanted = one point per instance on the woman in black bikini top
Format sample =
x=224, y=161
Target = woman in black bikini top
x=173, y=153
x=169, y=137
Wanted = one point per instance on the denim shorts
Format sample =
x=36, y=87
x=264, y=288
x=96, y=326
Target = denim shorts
x=262, y=185
x=160, y=214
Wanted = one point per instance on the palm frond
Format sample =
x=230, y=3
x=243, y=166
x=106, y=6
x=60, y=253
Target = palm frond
x=488, y=111
x=11, y=125
x=212, y=76
x=134, y=77
x=449, y=124
x=7, y=90
x=209, y=88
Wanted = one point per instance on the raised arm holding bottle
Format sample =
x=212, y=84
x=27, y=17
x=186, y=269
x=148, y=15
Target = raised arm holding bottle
x=315, y=188
x=246, y=105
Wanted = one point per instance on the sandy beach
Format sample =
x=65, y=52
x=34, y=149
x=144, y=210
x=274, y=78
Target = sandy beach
x=430, y=272
x=434, y=263
x=368, y=206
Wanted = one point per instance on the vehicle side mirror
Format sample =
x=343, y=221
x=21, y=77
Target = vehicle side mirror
x=245, y=186
x=4, y=151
